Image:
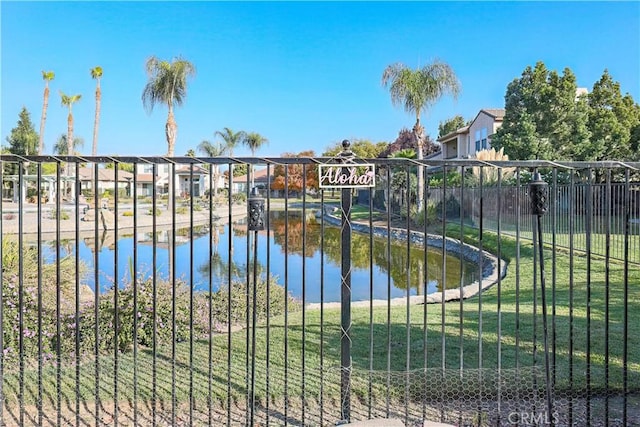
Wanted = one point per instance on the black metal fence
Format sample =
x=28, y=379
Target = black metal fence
x=109, y=316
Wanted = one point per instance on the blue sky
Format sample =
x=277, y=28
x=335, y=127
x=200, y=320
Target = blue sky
x=304, y=75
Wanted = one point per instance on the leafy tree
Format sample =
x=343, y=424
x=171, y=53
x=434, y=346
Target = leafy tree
x=543, y=118
x=417, y=90
x=612, y=121
x=96, y=74
x=121, y=166
x=167, y=85
x=47, y=76
x=407, y=140
x=191, y=152
x=298, y=177
x=254, y=141
x=23, y=139
x=231, y=139
x=362, y=148
x=450, y=125
x=68, y=101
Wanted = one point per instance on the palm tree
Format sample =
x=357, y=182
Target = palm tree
x=417, y=90
x=68, y=101
x=47, y=76
x=254, y=141
x=61, y=147
x=231, y=140
x=211, y=150
x=167, y=85
x=96, y=74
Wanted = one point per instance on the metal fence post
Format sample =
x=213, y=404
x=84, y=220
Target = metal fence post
x=345, y=293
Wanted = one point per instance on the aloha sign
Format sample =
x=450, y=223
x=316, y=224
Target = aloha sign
x=347, y=175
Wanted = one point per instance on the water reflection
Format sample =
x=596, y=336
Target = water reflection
x=293, y=252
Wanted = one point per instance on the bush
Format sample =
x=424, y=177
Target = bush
x=64, y=215
x=239, y=198
x=157, y=212
x=127, y=213
x=451, y=208
x=429, y=214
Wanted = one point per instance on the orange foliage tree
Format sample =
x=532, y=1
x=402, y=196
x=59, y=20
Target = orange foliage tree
x=299, y=177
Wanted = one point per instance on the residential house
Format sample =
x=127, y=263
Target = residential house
x=106, y=180
x=465, y=142
x=182, y=182
x=261, y=180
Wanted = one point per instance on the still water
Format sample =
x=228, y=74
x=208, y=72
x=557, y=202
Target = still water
x=298, y=252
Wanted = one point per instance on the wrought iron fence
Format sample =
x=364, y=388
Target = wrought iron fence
x=335, y=311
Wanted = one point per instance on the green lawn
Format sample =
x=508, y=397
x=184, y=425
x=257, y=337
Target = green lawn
x=504, y=313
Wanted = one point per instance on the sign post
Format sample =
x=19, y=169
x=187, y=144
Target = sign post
x=346, y=174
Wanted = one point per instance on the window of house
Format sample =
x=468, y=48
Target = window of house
x=478, y=141
x=147, y=168
x=485, y=145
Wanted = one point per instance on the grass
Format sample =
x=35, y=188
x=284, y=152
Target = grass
x=510, y=338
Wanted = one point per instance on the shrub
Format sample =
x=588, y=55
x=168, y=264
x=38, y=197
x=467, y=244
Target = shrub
x=182, y=210
x=64, y=215
x=451, y=208
x=127, y=213
x=157, y=212
x=239, y=198
x=429, y=214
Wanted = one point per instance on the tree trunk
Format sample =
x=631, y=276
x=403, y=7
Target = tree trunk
x=418, y=131
x=70, y=134
x=43, y=118
x=171, y=130
x=96, y=121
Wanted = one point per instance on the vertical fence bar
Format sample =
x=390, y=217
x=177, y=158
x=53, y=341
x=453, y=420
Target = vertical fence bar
x=499, y=301
x=517, y=267
x=345, y=294
x=212, y=194
x=443, y=280
x=408, y=297
x=286, y=292
x=370, y=385
x=625, y=331
x=607, y=290
x=247, y=395
x=134, y=282
x=554, y=228
x=588, y=225
x=21, y=309
x=388, y=190
x=322, y=209
x=174, y=287
x=191, y=285
x=304, y=287
x=116, y=286
x=40, y=261
x=480, y=262
x=229, y=294
x=572, y=209
x=268, y=303
x=154, y=299
x=425, y=278
x=96, y=282
x=77, y=293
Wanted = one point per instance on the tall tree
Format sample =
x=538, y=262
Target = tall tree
x=254, y=141
x=543, y=117
x=213, y=150
x=23, y=139
x=231, y=139
x=68, y=101
x=96, y=74
x=451, y=125
x=47, y=76
x=167, y=85
x=612, y=120
x=417, y=90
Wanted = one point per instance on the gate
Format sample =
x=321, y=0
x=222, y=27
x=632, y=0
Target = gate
x=270, y=300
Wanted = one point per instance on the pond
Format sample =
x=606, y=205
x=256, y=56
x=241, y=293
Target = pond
x=309, y=262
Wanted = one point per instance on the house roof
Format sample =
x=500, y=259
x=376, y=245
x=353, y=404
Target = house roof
x=497, y=114
x=185, y=169
x=258, y=176
x=87, y=174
